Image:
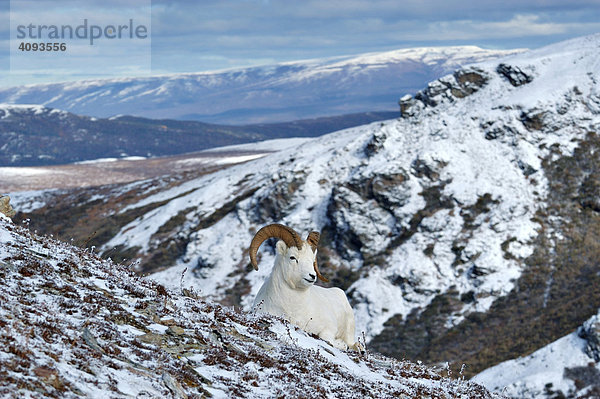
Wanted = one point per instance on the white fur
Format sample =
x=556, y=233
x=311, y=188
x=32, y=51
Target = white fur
x=289, y=292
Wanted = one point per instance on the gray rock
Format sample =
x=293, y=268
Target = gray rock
x=276, y=202
x=533, y=119
x=461, y=84
x=590, y=331
x=173, y=385
x=514, y=75
x=407, y=106
x=5, y=206
x=375, y=144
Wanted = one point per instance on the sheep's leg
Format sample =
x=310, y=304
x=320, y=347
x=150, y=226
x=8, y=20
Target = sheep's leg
x=333, y=341
x=338, y=343
x=358, y=347
x=349, y=334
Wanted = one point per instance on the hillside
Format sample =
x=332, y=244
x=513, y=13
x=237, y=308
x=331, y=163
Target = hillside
x=566, y=368
x=74, y=325
x=33, y=135
x=271, y=93
x=465, y=231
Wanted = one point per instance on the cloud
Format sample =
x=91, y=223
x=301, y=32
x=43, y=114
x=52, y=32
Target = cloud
x=188, y=35
x=519, y=26
x=105, y=56
x=283, y=30
x=348, y=19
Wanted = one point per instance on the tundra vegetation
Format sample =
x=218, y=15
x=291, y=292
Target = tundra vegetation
x=75, y=325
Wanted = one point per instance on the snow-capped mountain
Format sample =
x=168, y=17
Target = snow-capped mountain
x=565, y=368
x=280, y=92
x=465, y=231
x=74, y=325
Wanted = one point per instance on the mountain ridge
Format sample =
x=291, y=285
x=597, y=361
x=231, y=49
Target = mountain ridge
x=272, y=93
x=34, y=135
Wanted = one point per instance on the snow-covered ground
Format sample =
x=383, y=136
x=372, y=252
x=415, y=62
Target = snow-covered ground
x=74, y=325
x=263, y=146
x=550, y=369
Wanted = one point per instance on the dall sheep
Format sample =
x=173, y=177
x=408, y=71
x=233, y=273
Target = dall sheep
x=289, y=291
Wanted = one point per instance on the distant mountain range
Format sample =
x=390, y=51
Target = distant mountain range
x=272, y=93
x=33, y=135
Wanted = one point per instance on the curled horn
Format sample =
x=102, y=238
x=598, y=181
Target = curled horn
x=287, y=234
x=313, y=241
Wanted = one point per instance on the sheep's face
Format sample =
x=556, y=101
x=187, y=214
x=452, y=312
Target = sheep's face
x=297, y=265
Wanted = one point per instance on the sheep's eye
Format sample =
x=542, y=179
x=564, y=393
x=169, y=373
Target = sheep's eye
x=293, y=258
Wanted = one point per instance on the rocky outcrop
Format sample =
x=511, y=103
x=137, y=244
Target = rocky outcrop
x=533, y=119
x=5, y=207
x=590, y=331
x=514, y=75
x=366, y=205
x=276, y=201
x=497, y=130
x=461, y=84
x=360, y=227
x=469, y=81
x=375, y=143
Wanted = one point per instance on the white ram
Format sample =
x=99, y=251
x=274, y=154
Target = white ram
x=289, y=291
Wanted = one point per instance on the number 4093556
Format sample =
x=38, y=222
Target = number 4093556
x=24, y=46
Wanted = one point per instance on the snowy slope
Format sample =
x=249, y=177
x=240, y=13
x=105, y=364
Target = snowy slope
x=440, y=155
x=74, y=325
x=280, y=92
x=566, y=366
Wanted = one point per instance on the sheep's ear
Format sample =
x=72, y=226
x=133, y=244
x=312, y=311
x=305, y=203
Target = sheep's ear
x=281, y=247
x=313, y=240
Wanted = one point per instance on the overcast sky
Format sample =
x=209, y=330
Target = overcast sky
x=190, y=36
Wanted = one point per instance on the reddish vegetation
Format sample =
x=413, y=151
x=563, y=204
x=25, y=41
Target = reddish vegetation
x=76, y=325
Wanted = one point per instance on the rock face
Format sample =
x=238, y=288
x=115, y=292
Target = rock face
x=366, y=205
x=590, y=332
x=5, y=207
x=514, y=75
x=459, y=85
